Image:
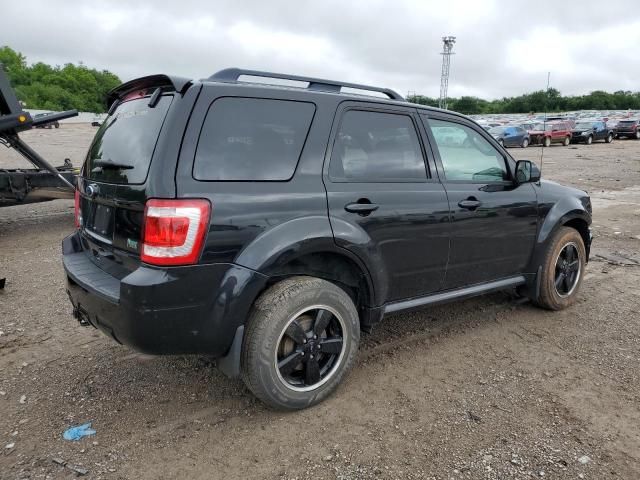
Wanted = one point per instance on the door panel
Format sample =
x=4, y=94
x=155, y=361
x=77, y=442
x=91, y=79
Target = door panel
x=382, y=204
x=495, y=239
x=494, y=221
x=407, y=236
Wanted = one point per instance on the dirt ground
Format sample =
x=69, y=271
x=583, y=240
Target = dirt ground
x=489, y=388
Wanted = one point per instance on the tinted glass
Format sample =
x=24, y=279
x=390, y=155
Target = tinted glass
x=377, y=147
x=127, y=138
x=467, y=155
x=252, y=139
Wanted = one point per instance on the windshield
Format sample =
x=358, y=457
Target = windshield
x=497, y=130
x=122, y=149
x=584, y=126
x=627, y=122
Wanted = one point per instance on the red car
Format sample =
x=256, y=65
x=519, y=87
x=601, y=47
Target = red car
x=551, y=132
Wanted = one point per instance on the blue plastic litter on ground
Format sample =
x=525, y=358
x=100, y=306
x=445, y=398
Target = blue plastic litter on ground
x=76, y=433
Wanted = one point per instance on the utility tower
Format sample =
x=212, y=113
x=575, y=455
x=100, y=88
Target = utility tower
x=447, y=43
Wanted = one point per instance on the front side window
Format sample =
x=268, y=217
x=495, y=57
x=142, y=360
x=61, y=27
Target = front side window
x=377, y=147
x=465, y=154
x=248, y=139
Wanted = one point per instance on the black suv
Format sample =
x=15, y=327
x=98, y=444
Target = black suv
x=268, y=225
x=628, y=128
x=589, y=131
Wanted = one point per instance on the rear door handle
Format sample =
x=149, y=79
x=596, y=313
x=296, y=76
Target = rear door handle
x=469, y=203
x=361, y=208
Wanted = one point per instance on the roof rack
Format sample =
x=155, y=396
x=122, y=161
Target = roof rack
x=233, y=74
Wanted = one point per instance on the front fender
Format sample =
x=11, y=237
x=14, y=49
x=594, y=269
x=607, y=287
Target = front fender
x=564, y=210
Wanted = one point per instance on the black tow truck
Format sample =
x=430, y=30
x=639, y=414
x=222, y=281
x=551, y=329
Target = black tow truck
x=44, y=178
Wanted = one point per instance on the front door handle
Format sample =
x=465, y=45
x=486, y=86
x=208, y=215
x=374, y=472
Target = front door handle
x=361, y=208
x=470, y=203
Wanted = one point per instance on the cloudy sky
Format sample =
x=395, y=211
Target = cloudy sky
x=503, y=48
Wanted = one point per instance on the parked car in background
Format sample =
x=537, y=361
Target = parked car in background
x=628, y=129
x=54, y=124
x=588, y=132
x=548, y=133
x=511, y=136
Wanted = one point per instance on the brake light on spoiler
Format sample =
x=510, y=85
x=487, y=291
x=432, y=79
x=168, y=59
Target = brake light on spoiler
x=174, y=231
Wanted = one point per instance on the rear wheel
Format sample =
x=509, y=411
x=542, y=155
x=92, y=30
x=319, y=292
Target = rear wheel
x=567, y=141
x=302, y=338
x=609, y=138
x=546, y=142
x=562, y=270
x=525, y=143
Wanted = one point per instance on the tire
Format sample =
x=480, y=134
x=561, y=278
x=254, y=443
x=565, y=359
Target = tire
x=637, y=135
x=567, y=141
x=609, y=138
x=589, y=140
x=566, y=239
x=546, y=142
x=525, y=143
x=288, y=310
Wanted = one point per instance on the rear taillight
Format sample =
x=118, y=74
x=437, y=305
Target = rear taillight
x=174, y=231
x=77, y=209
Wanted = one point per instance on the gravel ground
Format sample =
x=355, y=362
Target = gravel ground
x=489, y=388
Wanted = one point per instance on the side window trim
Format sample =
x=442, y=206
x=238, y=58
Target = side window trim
x=426, y=116
x=347, y=106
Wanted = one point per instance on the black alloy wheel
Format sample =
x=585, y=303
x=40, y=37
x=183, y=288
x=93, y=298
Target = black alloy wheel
x=567, y=271
x=309, y=348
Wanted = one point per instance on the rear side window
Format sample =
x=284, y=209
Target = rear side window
x=252, y=139
x=377, y=147
x=123, y=146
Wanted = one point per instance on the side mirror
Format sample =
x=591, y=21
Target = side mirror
x=527, y=172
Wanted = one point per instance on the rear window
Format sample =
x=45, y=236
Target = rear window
x=626, y=123
x=246, y=139
x=122, y=149
x=377, y=147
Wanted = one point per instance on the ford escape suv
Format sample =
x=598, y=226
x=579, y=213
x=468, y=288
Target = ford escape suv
x=268, y=225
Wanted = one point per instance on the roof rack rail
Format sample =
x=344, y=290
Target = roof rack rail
x=233, y=74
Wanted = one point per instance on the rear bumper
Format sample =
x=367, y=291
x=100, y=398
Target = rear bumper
x=176, y=310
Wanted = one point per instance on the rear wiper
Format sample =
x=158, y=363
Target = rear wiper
x=109, y=164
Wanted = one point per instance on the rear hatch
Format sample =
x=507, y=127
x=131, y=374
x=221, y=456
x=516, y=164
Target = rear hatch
x=626, y=125
x=113, y=181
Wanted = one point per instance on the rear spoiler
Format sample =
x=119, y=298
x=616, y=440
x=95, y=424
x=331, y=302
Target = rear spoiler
x=13, y=120
x=166, y=82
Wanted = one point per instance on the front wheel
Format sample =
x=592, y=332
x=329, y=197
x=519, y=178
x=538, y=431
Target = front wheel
x=609, y=138
x=562, y=270
x=567, y=141
x=546, y=142
x=589, y=140
x=525, y=143
x=301, y=340
x=637, y=135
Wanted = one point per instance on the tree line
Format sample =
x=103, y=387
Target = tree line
x=44, y=87
x=540, y=101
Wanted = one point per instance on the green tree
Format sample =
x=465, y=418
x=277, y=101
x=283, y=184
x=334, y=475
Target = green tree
x=42, y=86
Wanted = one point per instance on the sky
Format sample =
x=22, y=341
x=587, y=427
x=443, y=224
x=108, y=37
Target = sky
x=502, y=48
